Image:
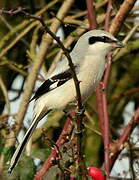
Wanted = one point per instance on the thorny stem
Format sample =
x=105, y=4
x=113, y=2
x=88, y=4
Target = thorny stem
x=62, y=138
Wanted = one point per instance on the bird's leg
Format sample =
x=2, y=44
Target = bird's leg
x=81, y=131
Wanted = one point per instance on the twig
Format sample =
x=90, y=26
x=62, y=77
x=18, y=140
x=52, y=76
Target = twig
x=130, y=34
x=23, y=24
x=93, y=130
x=101, y=94
x=126, y=93
x=5, y=93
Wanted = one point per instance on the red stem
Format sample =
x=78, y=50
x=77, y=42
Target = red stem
x=47, y=164
x=106, y=134
x=104, y=99
x=91, y=14
x=100, y=109
x=108, y=15
x=102, y=102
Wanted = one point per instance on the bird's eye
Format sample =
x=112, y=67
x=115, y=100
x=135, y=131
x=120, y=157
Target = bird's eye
x=104, y=38
x=92, y=40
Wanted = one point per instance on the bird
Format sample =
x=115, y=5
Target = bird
x=58, y=92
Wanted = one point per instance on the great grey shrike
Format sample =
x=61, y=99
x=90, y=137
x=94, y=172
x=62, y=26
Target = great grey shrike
x=58, y=91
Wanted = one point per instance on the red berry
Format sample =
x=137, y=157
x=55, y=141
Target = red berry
x=95, y=173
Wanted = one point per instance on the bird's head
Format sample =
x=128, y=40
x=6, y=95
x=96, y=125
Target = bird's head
x=97, y=42
x=102, y=40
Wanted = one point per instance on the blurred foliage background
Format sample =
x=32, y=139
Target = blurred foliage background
x=20, y=40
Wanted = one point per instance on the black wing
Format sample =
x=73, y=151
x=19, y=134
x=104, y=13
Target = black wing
x=52, y=83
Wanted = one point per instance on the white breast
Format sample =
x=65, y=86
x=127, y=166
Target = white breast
x=93, y=72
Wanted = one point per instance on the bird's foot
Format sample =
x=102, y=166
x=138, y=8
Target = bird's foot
x=81, y=112
x=80, y=131
x=102, y=86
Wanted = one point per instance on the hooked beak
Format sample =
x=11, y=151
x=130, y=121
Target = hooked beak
x=117, y=44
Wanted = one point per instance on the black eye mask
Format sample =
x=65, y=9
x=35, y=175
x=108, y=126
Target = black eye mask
x=105, y=39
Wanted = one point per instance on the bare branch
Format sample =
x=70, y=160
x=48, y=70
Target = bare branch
x=5, y=93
